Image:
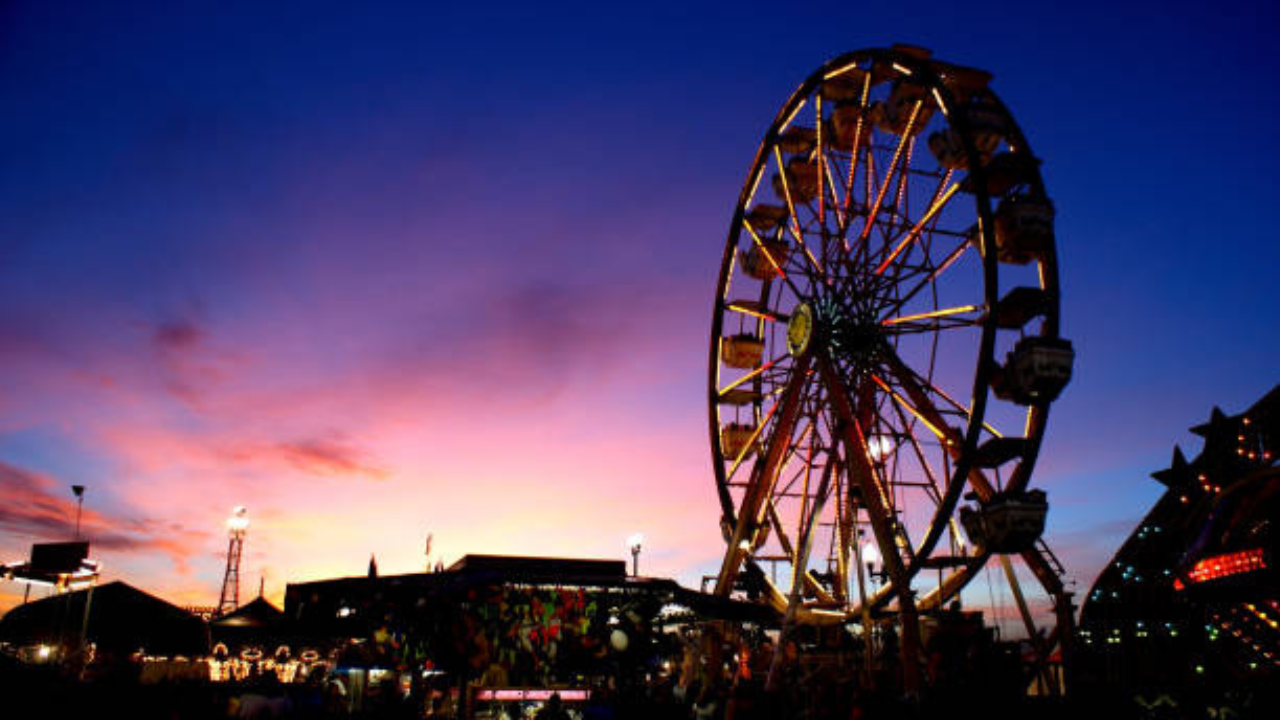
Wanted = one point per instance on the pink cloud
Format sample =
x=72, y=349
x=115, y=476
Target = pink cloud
x=32, y=507
x=332, y=455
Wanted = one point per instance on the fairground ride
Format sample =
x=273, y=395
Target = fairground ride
x=885, y=344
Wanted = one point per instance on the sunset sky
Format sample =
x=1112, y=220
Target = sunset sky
x=382, y=273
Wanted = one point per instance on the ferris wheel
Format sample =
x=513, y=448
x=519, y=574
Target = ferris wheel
x=885, y=345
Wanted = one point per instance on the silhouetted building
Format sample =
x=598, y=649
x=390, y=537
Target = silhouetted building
x=121, y=619
x=257, y=623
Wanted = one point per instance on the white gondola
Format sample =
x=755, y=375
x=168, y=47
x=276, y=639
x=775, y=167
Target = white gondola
x=743, y=351
x=762, y=267
x=1024, y=230
x=1035, y=372
x=1008, y=523
x=737, y=439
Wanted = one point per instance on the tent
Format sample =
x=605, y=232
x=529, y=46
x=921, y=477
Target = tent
x=121, y=619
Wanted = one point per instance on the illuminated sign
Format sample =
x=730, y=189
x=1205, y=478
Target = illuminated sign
x=1221, y=566
x=542, y=695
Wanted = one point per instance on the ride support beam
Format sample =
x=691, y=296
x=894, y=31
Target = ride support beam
x=763, y=476
x=799, y=565
x=862, y=471
x=953, y=441
x=982, y=487
x=977, y=479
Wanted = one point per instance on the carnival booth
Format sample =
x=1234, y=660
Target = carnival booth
x=494, y=634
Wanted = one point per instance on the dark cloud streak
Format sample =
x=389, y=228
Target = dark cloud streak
x=29, y=508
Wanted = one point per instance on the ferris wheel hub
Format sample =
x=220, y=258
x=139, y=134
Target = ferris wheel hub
x=847, y=334
x=800, y=329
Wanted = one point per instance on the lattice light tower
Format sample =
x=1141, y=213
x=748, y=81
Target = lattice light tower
x=237, y=526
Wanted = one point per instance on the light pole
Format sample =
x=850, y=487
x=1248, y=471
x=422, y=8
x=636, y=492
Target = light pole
x=79, y=493
x=636, y=542
x=237, y=526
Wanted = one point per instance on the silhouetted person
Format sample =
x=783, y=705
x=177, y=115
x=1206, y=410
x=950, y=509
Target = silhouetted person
x=553, y=710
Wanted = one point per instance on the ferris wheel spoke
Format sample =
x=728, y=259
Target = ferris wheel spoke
x=874, y=211
x=836, y=203
x=935, y=207
x=935, y=327
x=932, y=277
x=920, y=454
x=936, y=425
x=794, y=225
x=959, y=408
x=753, y=374
x=933, y=314
x=914, y=385
x=900, y=196
x=755, y=309
x=769, y=256
x=857, y=143
x=822, y=162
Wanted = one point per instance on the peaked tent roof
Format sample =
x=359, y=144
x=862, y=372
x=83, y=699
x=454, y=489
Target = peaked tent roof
x=121, y=618
x=258, y=613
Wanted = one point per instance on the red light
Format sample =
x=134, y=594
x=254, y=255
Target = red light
x=1223, y=566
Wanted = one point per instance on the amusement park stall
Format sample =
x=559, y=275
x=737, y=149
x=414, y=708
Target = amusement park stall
x=496, y=630
x=116, y=618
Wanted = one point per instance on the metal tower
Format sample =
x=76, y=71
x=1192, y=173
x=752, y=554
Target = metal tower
x=237, y=525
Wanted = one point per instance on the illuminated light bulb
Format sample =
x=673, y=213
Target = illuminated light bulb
x=239, y=520
x=871, y=554
x=879, y=447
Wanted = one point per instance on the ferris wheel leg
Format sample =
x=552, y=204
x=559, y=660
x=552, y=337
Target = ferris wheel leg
x=1042, y=644
x=763, y=475
x=863, y=473
x=1066, y=612
x=799, y=563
